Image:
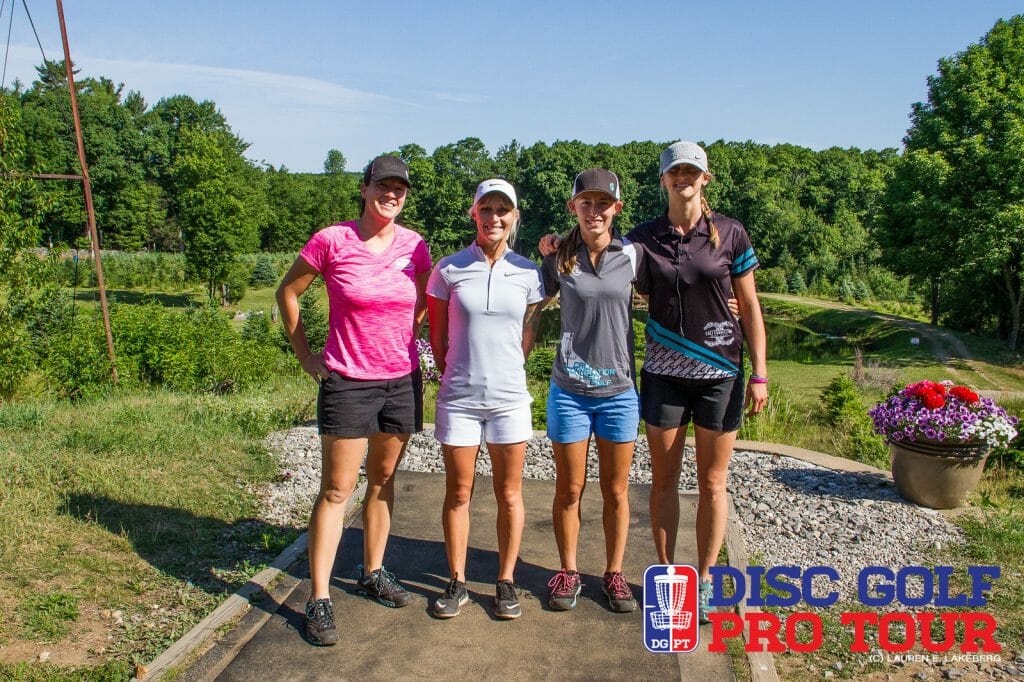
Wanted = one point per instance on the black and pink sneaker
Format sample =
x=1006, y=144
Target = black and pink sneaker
x=565, y=587
x=620, y=595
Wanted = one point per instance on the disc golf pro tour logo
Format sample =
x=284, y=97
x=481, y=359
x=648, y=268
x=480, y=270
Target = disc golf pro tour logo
x=670, y=609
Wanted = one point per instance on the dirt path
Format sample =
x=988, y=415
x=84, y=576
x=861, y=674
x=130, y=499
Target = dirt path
x=949, y=350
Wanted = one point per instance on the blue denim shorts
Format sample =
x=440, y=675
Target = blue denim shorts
x=572, y=417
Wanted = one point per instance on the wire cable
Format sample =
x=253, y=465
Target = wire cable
x=7, y=50
x=24, y=3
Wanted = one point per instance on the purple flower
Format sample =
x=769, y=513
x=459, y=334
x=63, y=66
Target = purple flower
x=904, y=416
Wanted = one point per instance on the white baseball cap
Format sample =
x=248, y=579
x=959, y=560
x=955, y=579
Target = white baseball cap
x=496, y=185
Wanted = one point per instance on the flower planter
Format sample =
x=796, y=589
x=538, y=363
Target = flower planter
x=937, y=474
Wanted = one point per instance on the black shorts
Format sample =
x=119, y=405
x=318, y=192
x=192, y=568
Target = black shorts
x=670, y=403
x=358, y=408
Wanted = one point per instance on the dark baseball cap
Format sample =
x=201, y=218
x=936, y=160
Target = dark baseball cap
x=596, y=180
x=386, y=166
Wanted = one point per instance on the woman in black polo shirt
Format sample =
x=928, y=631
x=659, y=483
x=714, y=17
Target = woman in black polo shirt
x=693, y=365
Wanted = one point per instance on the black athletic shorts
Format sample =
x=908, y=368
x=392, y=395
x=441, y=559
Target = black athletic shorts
x=670, y=403
x=357, y=408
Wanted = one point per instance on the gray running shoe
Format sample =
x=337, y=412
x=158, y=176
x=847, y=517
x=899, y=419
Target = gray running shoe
x=450, y=603
x=320, y=628
x=565, y=587
x=382, y=586
x=506, y=600
x=620, y=596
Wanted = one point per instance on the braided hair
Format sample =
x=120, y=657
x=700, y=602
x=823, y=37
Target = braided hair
x=712, y=230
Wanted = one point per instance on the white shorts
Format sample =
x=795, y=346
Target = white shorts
x=461, y=426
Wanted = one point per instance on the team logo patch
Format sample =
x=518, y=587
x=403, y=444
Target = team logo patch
x=670, y=609
x=403, y=264
x=717, y=334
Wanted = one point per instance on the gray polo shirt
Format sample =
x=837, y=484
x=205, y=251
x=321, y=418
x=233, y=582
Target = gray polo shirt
x=595, y=355
x=484, y=366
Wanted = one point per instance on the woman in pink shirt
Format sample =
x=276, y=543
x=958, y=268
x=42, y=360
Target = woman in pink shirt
x=370, y=399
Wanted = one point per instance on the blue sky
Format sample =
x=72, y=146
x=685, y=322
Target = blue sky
x=298, y=78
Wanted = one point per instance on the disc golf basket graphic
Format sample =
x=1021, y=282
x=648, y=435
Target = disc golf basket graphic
x=670, y=589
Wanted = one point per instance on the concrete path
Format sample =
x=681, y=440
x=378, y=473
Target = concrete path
x=590, y=642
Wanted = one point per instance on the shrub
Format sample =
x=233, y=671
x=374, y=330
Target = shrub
x=797, y=285
x=843, y=410
x=263, y=274
x=314, y=321
x=236, y=283
x=75, y=361
x=861, y=291
x=639, y=339
x=538, y=365
x=846, y=291
x=257, y=328
x=772, y=280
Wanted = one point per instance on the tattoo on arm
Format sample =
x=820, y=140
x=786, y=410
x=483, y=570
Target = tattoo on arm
x=531, y=323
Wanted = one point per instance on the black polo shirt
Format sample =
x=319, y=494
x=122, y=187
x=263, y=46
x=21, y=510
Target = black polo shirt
x=690, y=332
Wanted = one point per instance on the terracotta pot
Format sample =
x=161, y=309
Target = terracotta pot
x=937, y=474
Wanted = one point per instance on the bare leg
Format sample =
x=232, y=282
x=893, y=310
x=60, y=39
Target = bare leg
x=570, y=480
x=666, y=466
x=714, y=448
x=459, y=467
x=507, y=468
x=614, y=460
x=341, y=458
x=384, y=454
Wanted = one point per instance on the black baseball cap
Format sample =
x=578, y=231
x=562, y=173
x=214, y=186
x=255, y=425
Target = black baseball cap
x=386, y=166
x=596, y=180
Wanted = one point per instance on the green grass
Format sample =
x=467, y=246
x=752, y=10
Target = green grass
x=45, y=617
x=136, y=500
x=32, y=672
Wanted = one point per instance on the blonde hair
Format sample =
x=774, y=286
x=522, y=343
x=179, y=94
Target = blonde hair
x=507, y=203
x=712, y=230
x=704, y=209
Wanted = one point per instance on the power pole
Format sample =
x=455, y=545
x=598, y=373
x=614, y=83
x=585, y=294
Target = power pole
x=90, y=212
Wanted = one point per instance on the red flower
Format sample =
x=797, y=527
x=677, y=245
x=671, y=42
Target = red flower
x=965, y=394
x=932, y=400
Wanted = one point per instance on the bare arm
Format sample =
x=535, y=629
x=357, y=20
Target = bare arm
x=295, y=282
x=437, y=308
x=754, y=333
x=421, y=303
x=531, y=323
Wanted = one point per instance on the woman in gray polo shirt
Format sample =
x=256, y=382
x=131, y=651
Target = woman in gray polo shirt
x=478, y=301
x=593, y=388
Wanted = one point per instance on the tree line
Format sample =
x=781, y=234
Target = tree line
x=941, y=223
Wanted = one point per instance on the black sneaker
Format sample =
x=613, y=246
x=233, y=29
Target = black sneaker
x=320, y=628
x=620, y=596
x=382, y=586
x=506, y=601
x=565, y=587
x=449, y=604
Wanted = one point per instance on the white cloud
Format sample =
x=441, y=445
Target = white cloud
x=288, y=120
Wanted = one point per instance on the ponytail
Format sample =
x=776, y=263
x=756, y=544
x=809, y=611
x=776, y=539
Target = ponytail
x=566, y=258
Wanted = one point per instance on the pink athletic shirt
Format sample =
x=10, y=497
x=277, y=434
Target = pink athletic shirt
x=372, y=300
